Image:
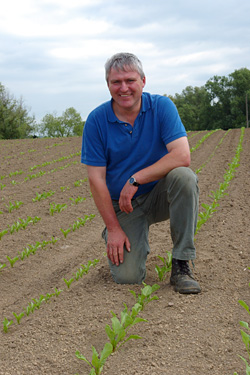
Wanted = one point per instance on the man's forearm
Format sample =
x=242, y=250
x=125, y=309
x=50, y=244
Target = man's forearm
x=104, y=204
x=175, y=158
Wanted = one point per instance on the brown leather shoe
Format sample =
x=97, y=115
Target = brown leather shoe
x=182, y=278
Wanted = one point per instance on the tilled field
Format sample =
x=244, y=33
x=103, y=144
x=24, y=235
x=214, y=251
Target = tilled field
x=184, y=335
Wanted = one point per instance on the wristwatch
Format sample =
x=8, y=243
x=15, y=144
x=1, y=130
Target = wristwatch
x=132, y=181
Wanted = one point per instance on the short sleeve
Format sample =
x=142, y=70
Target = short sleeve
x=171, y=124
x=93, y=149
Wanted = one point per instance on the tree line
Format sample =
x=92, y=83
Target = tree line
x=15, y=121
x=222, y=103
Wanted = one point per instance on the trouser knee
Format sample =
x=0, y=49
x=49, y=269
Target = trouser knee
x=124, y=274
x=183, y=179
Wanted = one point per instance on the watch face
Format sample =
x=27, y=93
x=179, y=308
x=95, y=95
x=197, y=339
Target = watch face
x=131, y=180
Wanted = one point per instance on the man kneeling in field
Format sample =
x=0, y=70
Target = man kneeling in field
x=137, y=155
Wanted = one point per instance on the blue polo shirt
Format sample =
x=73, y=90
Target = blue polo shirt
x=124, y=149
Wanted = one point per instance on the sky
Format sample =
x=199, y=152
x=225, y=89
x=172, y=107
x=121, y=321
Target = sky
x=52, y=52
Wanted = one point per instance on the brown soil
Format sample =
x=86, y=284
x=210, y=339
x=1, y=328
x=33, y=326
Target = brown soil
x=184, y=335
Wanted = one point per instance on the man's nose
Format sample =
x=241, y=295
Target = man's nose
x=124, y=86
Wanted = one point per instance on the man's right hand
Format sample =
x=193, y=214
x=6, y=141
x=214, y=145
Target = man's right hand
x=115, y=245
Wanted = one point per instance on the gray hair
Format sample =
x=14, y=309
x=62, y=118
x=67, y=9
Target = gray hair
x=121, y=60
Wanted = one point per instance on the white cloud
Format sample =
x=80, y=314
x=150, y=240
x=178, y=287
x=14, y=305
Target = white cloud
x=69, y=4
x=28, y=20
x=82, y=50
x=53, y=51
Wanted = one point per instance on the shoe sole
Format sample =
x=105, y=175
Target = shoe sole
x=186, y=290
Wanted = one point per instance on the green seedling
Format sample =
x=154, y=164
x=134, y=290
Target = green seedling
x=118, y=334
x=31, y=249
x=14, y=206
x=202, y=140
x=39, y=301
x=69, y=282
x=97, y=362
x=44, y=195
x=77, y=200
x=167, y=266
x=245, y=337
x=75, y=225
x=18, y=317
x=24, y=254
x=57, y=292
x=54, y=240
x=6, y=324
x=56, y=208
x=12, y=261
x=146, y=295
x=64, y=188
x=85, y=219
x=31, y=176
x=65, y=232
x=2, y=186
x=15, y=173
x=212, y=155
x=35, y=167
x=30, y=308
x=83, y=270
x=15, y=227
x=218, y=194
x=2, y=266
x=22, y=224
x=79, y=182
x=5, y=231
x=205, y=215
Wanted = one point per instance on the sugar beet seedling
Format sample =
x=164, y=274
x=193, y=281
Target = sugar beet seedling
x=118, y=334
x=36, y=303
x=98, y=361
x=146, y=295
x=245, y=336
x=167, y=266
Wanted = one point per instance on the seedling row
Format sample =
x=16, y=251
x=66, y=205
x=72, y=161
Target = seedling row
x=117, y=331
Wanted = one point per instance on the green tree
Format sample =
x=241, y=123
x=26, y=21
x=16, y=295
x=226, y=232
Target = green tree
x=240, y=91
x=221, y=104
x=193, y=104
x=15, y=121
x=69, y=124
x=219, y=93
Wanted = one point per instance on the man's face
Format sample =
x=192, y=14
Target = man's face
x=126, y=88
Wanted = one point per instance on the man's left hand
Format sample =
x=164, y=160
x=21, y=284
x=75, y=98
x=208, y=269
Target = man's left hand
x=126, y=196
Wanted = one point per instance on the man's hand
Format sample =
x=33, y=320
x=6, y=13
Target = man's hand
x=126, y=196
x=115, y=245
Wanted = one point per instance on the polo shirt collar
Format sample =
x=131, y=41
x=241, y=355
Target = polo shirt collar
x=145, y=105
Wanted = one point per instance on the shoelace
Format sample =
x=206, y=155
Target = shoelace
x=183, y=267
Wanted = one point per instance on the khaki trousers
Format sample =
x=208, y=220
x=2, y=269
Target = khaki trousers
x=174, y=197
